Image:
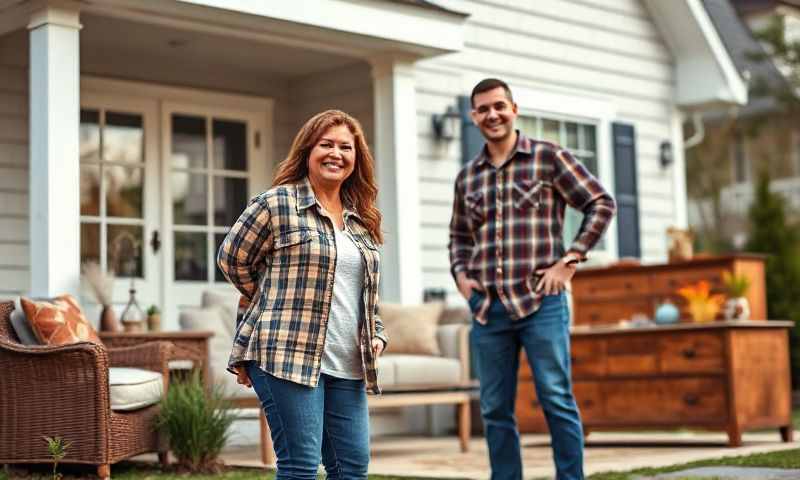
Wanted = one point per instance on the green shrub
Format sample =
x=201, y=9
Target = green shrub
x=773, y=235
x=197, y=422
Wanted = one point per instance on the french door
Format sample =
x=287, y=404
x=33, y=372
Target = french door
x=119, y=198
x=213, y=161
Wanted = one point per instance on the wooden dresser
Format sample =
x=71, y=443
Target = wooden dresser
x=729, y=376
x=604, y=296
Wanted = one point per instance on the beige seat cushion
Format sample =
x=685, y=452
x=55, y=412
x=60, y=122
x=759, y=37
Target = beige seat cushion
x=412, y=329
x=399, y=369
x=134, y=388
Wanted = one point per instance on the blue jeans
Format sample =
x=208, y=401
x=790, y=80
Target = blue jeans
x=328, y=423
x=545, y=337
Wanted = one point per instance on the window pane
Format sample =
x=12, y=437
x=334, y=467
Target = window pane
x=124, y=191
x=589, y=138
x=527, y=125
x=230, y=145
x=125, y=250
x=590, y=161
x=189, y=194
x=572, y=135
x=90, y=190
x=188, y=141
x=90, y=242
x=230, y=199
x=550, y=132
x=218, y=238
x=190, y=256
x=123, y=138
x=90, y=136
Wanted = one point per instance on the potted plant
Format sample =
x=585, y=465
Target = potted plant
x=737, y=307
x=702, y=305
x=153, y=319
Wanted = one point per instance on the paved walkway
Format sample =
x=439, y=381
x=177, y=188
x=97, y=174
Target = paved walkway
x=440, y=457
x=730, y=473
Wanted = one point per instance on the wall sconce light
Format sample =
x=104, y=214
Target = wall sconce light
x=445, y=125
x=665, y=154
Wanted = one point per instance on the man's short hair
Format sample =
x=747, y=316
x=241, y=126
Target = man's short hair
x=490, y=84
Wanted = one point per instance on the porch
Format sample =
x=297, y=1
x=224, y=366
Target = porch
x=156, y=121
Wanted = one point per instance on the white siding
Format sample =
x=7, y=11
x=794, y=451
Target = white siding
x=597, y=49
x=14, y=250
x=348, y=89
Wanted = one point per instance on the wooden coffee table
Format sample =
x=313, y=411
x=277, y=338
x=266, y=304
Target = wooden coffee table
x=188, y=345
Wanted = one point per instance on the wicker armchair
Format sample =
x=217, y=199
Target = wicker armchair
x=63, y=390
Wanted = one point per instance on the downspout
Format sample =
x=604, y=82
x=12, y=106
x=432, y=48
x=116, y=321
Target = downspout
x=699, y=131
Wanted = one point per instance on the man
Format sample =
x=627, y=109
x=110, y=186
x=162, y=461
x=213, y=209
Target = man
x=509, y=261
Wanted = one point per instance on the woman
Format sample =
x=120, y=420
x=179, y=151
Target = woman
x=304, y=256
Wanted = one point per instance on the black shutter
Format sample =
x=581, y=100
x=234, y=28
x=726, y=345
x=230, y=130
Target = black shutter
x=471, y=138
x=627, y=192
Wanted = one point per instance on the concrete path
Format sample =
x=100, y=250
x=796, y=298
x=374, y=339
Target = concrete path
x=729, y=473
x=440, y=457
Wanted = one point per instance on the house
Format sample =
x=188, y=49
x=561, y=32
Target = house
x=132, y=132
x=739, y=142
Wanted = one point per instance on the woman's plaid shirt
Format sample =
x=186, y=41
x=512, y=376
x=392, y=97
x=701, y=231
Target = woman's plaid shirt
x=507, y=222
x=281, y=255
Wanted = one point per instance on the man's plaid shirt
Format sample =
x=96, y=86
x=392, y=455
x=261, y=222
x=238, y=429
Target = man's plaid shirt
x=507, y=222
x=281, y=255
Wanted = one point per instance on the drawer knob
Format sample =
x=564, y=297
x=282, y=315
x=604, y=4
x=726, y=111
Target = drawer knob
x=595, y=316
x=689, y=353
x=691, y=399
x=534, y=403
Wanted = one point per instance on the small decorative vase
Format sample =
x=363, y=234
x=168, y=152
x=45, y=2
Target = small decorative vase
x=667, y=313
x=154, y=322
x=108, y=320
x=737, y=308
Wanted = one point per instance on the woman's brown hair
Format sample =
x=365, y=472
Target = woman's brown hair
x=359, y=190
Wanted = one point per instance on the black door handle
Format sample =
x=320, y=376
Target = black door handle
x=155, y=242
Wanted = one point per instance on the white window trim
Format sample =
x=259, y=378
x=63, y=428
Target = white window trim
x=584, y=109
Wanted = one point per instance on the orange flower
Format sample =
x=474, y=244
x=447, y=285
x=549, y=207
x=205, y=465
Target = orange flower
x=702, y=305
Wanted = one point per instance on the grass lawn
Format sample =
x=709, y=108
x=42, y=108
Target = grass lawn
x=782, y=459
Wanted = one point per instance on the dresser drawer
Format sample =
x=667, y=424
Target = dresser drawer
x=611, y=286
x=589, y=396
x=588, y=356
x=632, y=355
x=692, y=353
x=667, y=283
x=665, y=401
x=609, y=312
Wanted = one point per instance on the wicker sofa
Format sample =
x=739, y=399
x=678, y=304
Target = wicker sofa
x=64, y=391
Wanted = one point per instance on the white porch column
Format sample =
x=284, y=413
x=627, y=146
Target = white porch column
x=54, y=156
x=398, y=177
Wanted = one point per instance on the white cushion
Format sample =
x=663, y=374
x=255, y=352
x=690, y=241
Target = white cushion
x=227, y=300
x=399, y=369
x=134, y=388
x=220, y=344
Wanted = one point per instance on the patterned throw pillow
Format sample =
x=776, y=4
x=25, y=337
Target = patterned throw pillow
x=59, y=321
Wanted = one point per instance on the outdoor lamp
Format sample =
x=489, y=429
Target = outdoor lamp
x=446, y=124
x=665, y=154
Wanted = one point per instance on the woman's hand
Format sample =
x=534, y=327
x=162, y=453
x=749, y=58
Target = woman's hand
x=377, y=347
x=241, y=376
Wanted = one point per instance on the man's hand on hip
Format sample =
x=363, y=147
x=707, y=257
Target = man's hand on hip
x=466, y=285
x=554, y=278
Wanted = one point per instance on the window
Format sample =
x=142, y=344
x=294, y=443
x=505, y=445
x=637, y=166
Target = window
x=581, y=140
x=209, y=185
x=112, y=174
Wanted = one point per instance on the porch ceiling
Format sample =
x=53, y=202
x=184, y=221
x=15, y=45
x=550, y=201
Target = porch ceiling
x=112, y=36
